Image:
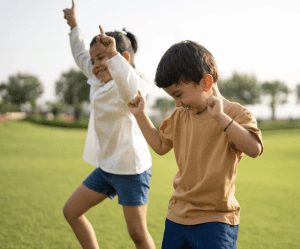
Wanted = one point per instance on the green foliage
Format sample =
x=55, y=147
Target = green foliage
x=8, y=107
x=241, y=88
x=278, y=92
x=57, y=122
x=285, y=124
x=72, y=87
x=298, y=93
x=41, y=167
x=21, y=89
x=57, y=108
x=164, y=105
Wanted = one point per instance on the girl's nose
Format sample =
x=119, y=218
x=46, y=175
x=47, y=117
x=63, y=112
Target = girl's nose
x=96, y=65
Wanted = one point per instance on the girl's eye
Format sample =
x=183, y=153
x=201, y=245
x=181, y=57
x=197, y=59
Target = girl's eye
x=177, y=96
x=100, y=58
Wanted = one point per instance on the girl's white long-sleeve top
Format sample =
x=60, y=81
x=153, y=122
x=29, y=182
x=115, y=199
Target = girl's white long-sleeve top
x=114, y=140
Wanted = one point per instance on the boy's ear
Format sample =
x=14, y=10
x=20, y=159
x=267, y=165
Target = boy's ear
x=126, y=55
x=207, y=82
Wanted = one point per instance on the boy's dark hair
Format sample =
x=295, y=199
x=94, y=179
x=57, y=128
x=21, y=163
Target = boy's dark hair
x=185, y=61
x=124, y=42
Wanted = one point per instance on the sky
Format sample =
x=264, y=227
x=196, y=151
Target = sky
x=256, y=37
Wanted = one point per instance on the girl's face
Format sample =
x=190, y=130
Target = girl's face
x=100, y=68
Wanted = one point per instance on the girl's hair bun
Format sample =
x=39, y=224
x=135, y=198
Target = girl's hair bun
x=132, y=39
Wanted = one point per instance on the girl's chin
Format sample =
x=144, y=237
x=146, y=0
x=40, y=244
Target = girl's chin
x=104, y=79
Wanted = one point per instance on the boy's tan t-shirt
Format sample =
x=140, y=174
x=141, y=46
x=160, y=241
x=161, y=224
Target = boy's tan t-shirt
x=207, y=161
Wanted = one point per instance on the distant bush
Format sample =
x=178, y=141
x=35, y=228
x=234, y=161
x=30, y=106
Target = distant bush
x=278, y=124
x=83, y=123
x=57, y=122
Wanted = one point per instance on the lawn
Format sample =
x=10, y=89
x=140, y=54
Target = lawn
x=40, y=167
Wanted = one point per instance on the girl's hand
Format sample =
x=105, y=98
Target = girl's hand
x=215, y=104
x=70, y=16
x=106, y=44
x=137, y=105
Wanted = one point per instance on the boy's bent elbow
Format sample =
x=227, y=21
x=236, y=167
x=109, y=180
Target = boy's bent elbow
x=255, y=152
x=163, y=150
x=161, y=153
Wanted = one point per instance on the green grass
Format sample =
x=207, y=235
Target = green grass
x=41, y=166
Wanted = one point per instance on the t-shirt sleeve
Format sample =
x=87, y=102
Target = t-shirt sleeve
x=248, y=121
x=166, y=131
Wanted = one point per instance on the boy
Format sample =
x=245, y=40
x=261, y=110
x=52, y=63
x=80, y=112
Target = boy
x=209, y=135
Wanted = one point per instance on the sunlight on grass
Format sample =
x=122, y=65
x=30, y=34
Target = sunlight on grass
x=41, y=166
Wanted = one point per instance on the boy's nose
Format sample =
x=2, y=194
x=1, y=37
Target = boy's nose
x=178, y=103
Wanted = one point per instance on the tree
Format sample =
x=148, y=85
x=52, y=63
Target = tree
x=240, y=88
x=163, y=105
x=21, y=89
x=73, y=89
x=298, y=93
x=278, y=92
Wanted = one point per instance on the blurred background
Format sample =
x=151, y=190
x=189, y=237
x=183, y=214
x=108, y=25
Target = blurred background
x=256, y=47
x=255, y=44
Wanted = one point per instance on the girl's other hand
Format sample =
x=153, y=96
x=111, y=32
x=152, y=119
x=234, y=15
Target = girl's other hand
x=70, y=16
x=106, y=44
x=137, y=105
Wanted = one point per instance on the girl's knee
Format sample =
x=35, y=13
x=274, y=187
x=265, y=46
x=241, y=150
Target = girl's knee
x=137, y=234
x=69, y=212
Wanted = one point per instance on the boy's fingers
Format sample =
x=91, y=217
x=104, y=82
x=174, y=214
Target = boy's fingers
x=215, y=92
x=73, y=5
x=139, y=92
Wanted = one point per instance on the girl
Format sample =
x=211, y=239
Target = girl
x=114, y=144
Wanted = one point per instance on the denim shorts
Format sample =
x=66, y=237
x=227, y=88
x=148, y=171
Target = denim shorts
x=212, y=235
x=132, y=190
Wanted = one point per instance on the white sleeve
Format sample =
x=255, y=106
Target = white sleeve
x=125, y=77
x=80, y=50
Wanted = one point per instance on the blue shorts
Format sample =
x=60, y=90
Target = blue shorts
x=212, y=235
x=132, y=190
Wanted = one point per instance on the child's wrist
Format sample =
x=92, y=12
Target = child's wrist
x=222, y=119
x=73, y=24
x=140, y=115
x=111, y=54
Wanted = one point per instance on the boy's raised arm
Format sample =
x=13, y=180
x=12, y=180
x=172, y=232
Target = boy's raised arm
x=151, y=134
x=244, y=140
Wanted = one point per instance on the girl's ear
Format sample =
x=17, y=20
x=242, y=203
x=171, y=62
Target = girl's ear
x=126, y=55
x=207, y=82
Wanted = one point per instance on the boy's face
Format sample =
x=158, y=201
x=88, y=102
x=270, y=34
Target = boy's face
x=100, y=68
x=191, y=96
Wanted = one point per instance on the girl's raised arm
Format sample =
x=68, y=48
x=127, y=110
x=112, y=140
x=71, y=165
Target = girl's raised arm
x=79, y=45
x=70, y=16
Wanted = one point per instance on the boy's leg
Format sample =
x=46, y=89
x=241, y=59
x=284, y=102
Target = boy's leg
x=174, y=236
x=79, y=202
x=213, y=235
x=137, y=226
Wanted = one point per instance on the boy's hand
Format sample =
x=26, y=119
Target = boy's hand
x=106, y=44
x=215, y=104
x=137, y=105
x=70, y=16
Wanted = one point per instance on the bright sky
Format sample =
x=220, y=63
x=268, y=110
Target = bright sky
x=259, y=37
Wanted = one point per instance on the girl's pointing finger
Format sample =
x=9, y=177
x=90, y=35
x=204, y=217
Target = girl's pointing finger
x=101, y=30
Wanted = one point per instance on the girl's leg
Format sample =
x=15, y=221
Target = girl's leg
x=137, y=226
x=79, y=202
